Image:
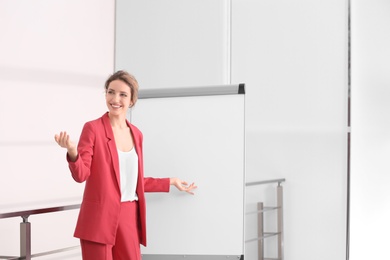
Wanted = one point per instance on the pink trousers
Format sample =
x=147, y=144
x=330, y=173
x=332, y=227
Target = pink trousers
x=127, y=239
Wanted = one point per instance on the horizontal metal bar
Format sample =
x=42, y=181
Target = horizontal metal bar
x=263, y=210
x=56, y=251
x=192, y=91
x=38, y=211
x=264, y=182
x=42, y=254
x=266, y=234
x=8, y=257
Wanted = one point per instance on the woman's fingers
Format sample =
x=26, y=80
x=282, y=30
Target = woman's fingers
x=183, y=185
x=189, y=189
x=62, y=139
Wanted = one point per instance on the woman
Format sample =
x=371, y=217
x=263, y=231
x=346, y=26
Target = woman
x=111, y=222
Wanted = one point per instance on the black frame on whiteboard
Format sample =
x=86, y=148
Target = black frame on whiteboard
x=232, y=89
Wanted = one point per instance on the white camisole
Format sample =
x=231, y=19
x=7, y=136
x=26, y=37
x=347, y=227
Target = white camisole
x=128, y=168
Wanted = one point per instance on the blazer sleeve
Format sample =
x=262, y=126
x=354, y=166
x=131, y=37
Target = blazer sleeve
x=156, y=184
x=81, y=168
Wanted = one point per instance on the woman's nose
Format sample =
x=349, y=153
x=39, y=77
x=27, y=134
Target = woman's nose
x=116, y=97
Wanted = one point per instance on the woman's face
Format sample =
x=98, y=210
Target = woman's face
x=118, y=97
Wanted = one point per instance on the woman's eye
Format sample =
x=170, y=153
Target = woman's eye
x=123, y=95
x=110, y=92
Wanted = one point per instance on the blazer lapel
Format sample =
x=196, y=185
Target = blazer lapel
x=135, y=137
x=112, y=147
x=138, y=148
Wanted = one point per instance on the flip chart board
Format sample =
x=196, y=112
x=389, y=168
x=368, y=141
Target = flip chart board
x=198, y=135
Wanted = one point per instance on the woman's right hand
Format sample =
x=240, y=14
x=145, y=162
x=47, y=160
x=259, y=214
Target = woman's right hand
x=64, y=141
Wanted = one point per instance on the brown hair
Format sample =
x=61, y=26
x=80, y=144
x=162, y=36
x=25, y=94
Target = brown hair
x=129, y=80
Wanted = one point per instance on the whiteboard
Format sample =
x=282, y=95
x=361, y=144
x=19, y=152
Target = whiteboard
x=198, y=139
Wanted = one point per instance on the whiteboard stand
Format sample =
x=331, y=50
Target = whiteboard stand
x=198, y=135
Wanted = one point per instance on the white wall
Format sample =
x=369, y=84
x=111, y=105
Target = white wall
x=292, y=55
x=370, y=127
x=55, y=56
x=173, y=43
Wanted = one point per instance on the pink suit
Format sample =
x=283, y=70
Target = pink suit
x=97, y=164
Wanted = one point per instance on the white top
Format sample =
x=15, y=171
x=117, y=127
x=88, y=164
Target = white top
x=128, y=168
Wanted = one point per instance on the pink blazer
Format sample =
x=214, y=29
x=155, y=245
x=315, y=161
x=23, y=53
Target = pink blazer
x=97, y=163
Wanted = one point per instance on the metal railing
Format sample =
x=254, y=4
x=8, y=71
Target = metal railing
x=25, y=230
x=261, y=235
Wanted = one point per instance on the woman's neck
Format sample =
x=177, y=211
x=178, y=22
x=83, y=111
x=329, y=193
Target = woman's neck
x=117, y=121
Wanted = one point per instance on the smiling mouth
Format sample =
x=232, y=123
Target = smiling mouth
x=115, y=106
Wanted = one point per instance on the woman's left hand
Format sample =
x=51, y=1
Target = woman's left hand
x=183, y=185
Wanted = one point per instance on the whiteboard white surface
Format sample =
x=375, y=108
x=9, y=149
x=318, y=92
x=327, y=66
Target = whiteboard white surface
x=201, y=140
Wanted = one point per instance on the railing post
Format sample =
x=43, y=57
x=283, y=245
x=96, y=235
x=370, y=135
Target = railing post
x=25, y=239
x=279, y=194
x=260, y=230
